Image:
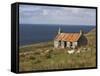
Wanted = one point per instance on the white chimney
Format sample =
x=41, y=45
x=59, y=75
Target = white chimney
x=81, y=32
x=59, y=31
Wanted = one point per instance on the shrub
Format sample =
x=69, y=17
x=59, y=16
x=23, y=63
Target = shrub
x=32, y=58
x=22, y=55
x=37, y=61
x=48, y=56
x=37, y=53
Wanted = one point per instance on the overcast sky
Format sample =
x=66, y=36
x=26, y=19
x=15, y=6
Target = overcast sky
x=33, y=14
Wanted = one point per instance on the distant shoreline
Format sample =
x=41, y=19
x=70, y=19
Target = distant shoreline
x=34, y=44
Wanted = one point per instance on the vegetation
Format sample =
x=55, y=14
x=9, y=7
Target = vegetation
x=44, y=56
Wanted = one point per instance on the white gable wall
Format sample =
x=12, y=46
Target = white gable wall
x=56, y=43
x=74, y=44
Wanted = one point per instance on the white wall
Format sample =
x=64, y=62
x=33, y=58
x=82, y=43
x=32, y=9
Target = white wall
x=5, y=31
x=56, y=43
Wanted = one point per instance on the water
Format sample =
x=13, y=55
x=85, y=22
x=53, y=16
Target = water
x=29, y=34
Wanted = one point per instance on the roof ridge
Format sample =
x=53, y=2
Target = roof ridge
x=71, y=37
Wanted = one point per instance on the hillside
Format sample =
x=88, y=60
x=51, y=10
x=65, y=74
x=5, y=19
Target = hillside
x=43, y=56
x=91, y=36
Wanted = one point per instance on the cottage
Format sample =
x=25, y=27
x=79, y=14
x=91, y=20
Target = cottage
x=68, y=40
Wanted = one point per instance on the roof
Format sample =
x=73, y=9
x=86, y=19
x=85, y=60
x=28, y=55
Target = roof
x=70, y=37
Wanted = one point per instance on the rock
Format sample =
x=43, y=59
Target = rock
x=71, y=51
x=78, y=51
x=84, y=48
x=47, y=51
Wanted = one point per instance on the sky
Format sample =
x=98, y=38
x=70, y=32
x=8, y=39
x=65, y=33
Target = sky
x=35, y=14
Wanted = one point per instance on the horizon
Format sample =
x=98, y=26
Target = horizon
x=56, y=25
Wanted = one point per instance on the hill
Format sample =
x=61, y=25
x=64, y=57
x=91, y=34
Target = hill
x=91, y=36
x=43, y=56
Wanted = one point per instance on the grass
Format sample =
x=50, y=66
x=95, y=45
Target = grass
x=43, y=56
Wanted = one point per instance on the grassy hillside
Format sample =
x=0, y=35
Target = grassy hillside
x=91, y=36
x=44, y=56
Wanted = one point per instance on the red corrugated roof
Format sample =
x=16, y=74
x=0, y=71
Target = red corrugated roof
x=70, y=37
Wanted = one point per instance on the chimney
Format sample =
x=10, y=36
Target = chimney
x=59, y=31
x=81, y=32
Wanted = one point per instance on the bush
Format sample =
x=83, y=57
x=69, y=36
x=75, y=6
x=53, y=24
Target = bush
x=37, y=61
x=22, y=55
x=48, y=56
x=32, y=58
x=37, y=53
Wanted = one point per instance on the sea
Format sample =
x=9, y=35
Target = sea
x=35, y=33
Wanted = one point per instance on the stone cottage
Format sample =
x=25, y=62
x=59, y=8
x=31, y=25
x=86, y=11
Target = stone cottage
x=69, y=40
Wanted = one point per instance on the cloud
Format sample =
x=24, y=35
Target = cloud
x=45, y=12
x=32, y=14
